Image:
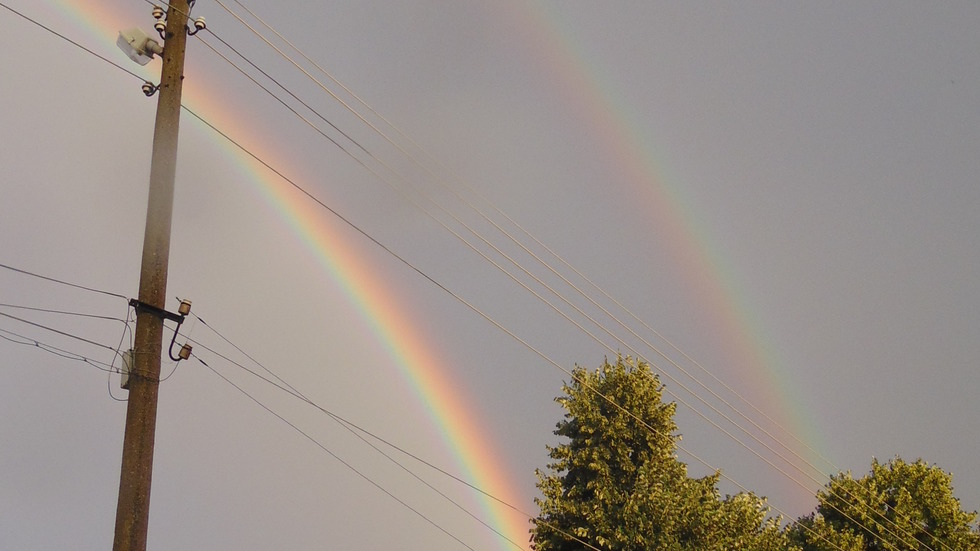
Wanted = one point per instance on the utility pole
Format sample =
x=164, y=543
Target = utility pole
x=133, y=507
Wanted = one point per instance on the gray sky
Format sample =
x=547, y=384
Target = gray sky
x=786, y=192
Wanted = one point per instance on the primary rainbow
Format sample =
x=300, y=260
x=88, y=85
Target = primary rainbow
x=414, y=355
x=417, y=359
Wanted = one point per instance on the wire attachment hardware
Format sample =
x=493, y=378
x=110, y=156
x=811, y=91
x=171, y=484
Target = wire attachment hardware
x=182, y=311
x=149, y=88
x=161, y=24
x=161, y=28
x=199, y=25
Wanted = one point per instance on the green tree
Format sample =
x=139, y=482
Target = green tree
x=615, y=482
x=898, y=506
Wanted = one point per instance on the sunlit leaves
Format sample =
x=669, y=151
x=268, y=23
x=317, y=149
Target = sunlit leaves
x=615, y=483
x=897, y=506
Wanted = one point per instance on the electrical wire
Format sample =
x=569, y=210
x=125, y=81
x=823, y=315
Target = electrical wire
x=361, y=433
x=32, y=274
x=17, y=338
x=65, y=38
x=298, y=395
x=115, y=351
x=277, y=98
x=247, y=355
x=53, y=330
x=343, y=462
x=63, y=312
x=281, y=86
x=117, y=354
x=354, y=429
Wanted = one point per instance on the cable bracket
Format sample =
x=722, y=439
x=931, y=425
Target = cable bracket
x=141, y=306
x=178, y=318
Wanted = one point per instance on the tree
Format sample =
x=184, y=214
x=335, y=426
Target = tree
x=615, y=482
x=898, y=506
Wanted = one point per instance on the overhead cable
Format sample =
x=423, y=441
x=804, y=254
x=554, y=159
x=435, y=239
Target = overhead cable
x=32, y=274
x=342, y=461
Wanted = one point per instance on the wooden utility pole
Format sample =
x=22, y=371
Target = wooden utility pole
x=133, y=508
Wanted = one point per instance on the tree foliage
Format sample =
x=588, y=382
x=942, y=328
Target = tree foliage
x=615, y=482
x=897, y=506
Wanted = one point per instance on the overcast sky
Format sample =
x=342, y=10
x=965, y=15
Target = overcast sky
x=785, y=192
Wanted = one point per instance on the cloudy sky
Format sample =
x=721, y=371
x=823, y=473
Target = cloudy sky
x=774, y=204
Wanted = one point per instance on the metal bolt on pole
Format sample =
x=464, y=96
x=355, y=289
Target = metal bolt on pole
x=133, y=507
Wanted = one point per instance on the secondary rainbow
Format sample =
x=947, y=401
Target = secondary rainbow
x=581, y=85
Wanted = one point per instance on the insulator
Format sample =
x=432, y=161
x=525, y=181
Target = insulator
x=185, y=352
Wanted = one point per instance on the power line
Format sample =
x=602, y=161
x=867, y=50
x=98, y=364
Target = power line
x=17, y=338
x=51, y=279
x=296, y=394
x=65, y=38
x=53, y=330
x=359, y=431
x=343, y=462
x=280, y=85
x=62, y=312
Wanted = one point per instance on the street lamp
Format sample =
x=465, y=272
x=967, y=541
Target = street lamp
x=138, y=46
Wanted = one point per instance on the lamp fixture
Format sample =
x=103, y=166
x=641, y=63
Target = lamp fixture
x=138, y=46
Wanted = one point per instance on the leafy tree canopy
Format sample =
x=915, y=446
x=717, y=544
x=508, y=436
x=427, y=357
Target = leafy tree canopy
x=898, y=506
x=615, y=482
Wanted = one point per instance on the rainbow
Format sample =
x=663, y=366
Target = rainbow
x=630, y=154
x=416, y=358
